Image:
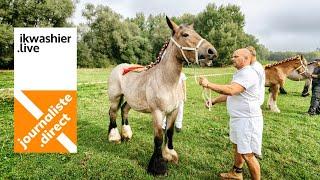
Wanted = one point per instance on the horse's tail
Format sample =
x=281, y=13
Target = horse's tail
x=114, y=86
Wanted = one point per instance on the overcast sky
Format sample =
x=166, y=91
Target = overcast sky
x=281, y=25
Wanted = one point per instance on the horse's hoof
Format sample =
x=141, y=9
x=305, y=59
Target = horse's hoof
x=157, y=166
x=114, y=136
x=126, y=133
x=170, y=155
x=305, y=95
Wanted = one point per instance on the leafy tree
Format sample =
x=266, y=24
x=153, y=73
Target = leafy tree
x=112, y=39
x=31, y=13
x=6, y=47
x=223, y=27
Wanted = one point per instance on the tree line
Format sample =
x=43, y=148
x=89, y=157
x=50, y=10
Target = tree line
x=107, y=38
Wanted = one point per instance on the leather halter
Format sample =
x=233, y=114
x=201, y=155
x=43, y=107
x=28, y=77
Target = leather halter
x=195, y=49
x=305, y=69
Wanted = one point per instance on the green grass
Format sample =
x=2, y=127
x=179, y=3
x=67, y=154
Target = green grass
x=291, y=139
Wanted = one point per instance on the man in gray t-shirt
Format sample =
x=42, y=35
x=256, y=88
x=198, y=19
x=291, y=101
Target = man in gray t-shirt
x=243, y=98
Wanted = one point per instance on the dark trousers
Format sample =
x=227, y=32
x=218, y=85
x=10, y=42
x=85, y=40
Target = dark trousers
x=315, y=100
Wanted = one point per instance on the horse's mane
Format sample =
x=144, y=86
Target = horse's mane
x=283, y=61
x=159, y=56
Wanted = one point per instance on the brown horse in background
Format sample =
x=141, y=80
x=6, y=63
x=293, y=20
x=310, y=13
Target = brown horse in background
x=277, y=73
x=156, y=91
x=295, y=76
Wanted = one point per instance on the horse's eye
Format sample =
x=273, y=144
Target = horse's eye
x=185, y=34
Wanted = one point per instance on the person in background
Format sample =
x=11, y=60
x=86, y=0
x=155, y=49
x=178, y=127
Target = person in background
x=259, y=70
x=314, y=108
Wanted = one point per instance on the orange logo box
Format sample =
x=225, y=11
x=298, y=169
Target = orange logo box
x=55, y=131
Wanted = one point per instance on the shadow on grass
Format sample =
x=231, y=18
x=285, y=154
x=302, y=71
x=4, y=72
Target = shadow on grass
x=139, y=149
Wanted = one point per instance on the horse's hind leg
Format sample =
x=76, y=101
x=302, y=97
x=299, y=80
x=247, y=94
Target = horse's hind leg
x=114, y=135
x=282, y=90
x=168, y=152
x=157, y=164
x=126, y=132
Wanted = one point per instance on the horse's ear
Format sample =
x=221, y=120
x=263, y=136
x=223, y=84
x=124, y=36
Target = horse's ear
x=191, y=25
x=301, y=56
x=173, y=26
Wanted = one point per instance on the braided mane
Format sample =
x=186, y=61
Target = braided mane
x=159, y=56
x=283, y=61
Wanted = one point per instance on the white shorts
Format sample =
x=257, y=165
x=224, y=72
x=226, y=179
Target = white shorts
x=246, y=133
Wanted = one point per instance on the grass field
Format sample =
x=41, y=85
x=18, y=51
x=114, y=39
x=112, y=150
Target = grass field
x=291, y=139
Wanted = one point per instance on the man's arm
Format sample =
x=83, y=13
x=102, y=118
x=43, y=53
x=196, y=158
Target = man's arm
x=229, y=90
x=219, y=99
x=315, y=75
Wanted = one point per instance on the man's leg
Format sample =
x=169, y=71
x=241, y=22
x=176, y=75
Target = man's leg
x=236, y=172
x=254, y=166
x=314, y=101
x=238, y=159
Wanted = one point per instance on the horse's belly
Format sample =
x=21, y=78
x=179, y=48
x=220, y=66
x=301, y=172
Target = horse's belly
x=138, y=105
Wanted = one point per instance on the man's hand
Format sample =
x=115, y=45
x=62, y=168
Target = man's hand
x=209, y=103
x=203, y=82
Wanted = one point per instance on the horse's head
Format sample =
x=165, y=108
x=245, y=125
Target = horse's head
x=301, y=65
x=192, y=46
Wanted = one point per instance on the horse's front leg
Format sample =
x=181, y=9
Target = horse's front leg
x=274, y=95
x=157, y=164
x=168, y=152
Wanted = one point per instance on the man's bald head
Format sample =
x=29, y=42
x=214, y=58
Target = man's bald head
x=245, y=52
x=241, y=58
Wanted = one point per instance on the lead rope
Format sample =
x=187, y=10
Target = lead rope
x=206, y=93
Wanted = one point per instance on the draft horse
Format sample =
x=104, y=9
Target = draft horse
x=156, y=91
x=277, y=73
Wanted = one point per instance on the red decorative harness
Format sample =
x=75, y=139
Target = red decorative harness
x=136, y=68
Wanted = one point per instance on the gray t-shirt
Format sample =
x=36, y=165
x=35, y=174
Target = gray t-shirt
x=247, y=103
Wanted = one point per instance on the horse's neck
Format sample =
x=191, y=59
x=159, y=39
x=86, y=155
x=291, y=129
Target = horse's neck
x=170, y=66
x=287, y=69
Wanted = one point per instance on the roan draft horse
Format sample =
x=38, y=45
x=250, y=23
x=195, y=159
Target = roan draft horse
x=295, y=76
x=156, y=91
x=277, y=73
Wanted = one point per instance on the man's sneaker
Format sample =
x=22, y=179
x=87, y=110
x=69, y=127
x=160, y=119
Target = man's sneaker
x=235, y=173
x=312, y=113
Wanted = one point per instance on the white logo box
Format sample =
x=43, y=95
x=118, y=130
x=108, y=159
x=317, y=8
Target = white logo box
x=54, y=67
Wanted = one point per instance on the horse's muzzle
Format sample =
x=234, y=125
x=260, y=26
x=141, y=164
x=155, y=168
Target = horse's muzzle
x=212, y=53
